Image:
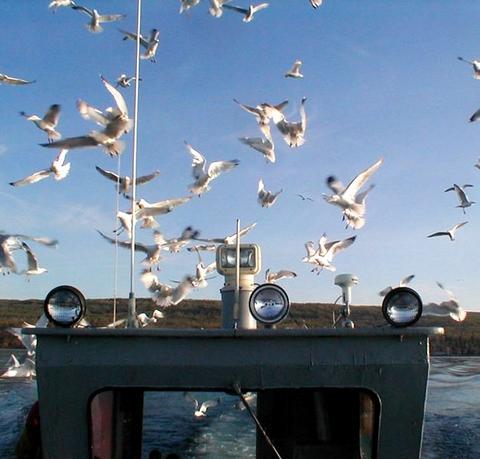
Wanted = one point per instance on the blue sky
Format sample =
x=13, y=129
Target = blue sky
x=382, y=80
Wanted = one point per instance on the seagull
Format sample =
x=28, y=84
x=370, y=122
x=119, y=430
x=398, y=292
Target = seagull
x=266, y=198
x=405, y=281
x=247, y=12
x=152, y=252
x=264, y=113
x=202, y=174
x=292, y=132
x=476, y=67
x=147, y=209
x=201, y=272
x=229, y=240
x=11, y=242
x=32, y=262
x=349, y=199
x=294, y=72
x=304, y=198
x=449, y=308
x=464, y=201
x=124, y=81
x=263, y=145
x=48, y=123
x=150, y=45
x=144, y=320
x=201, y=408
x=114, y=120
x=5, y=79
x=19, y=370
x=185, y=5
x=174, y=245
x=59, y=169
x=316, y=3
x=163, y=294
x=125, y=182
x=273, y=277
x=202, y=247
x=29, y=342
x=216, y=7
x=475, y=116
x=450, y=232
x=96, y=19
x=322, y=257
x=55, y=4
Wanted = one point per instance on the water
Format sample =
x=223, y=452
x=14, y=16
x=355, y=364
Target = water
x=452, y=422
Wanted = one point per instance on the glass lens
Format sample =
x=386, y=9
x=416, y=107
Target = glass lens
x=402, y=307
x=64, y=307
x=269, y=304
x=247, y=258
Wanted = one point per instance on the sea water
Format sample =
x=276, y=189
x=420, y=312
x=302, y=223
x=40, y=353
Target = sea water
x=451, y=431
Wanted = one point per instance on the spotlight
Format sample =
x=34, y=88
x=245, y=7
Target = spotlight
x=65, y=306
x=402, y=307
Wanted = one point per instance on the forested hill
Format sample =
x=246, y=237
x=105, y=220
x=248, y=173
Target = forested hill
x=460, y=338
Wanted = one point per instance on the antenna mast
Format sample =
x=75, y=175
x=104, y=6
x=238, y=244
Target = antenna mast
x=132, y=321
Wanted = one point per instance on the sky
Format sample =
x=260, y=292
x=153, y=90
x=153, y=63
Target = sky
x=382, y=80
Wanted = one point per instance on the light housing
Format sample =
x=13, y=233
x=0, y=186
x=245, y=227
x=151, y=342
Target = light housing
x=250, y=259
x=65, y=306
x=402, y=307
x=269, y=304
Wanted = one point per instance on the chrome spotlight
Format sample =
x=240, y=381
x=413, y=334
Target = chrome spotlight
x=65, y=306
x=402, y=307
x=269, y=304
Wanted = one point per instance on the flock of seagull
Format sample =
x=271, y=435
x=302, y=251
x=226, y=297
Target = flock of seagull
x=114, y=122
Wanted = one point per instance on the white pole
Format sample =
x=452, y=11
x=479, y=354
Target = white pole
x=132, y=321
x=236, y=304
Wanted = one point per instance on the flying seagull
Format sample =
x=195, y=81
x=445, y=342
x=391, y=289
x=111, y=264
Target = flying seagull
x=216, y=7
x=48, y=123
x=449, y=308
x=273, y=277
x=294, y=72
x=96, y=19
x=322, y=257
x=164, y=295
x=316, y=3
x=125, y=182
x=20, y=370
x=349, y=199
x=185, y=5
x=293, y=132
x=55, y=4
x=266, y=198
x=202, y=174
x=450, y=232
x=5, y=79
x=124, y=81
x=201, y=408
x=228, y=240
x=144, y=320
x=115, y=121
x=150, y=44
x=32, y=262
x=249, y=12
x=264, y=145
x=303, y=197
x=405, y=281
x=476, y=67
x=463, y=198
x=59, y=169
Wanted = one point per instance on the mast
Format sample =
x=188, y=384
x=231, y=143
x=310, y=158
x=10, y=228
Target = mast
x=132, y=308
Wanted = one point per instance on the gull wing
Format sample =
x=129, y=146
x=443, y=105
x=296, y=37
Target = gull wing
x=259, y=7
x=41, y=240
x=310, y=246
x=83, y=9
x=457, y=226
x=108, y=174
x=119, y=100
x=439, y=233
x=303, y=115
x=336, y=246
x=32, y=260
x=72, y=142
x=53, y=114
x=352, y=188
x=406, y=280
x=218, y=167
x=253, y=110
x=236, y=8
x=12, y=80
x=89, y=112
x=182, y=290
x=161, y=207
x=198, y=163
x=111, y=17
x=146, y=178
x=127, y=244
x=450, y=294
x=133, y=36
x=35, y=177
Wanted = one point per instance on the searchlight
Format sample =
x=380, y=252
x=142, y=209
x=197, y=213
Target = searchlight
x=64, y=306
x=402, y=307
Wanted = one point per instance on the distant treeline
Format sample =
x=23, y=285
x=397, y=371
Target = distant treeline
x=459, y=339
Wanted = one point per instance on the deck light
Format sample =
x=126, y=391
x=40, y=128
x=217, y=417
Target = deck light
x=64, y=306
x=269, y=304
x=402, y=307
x=249, y=259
